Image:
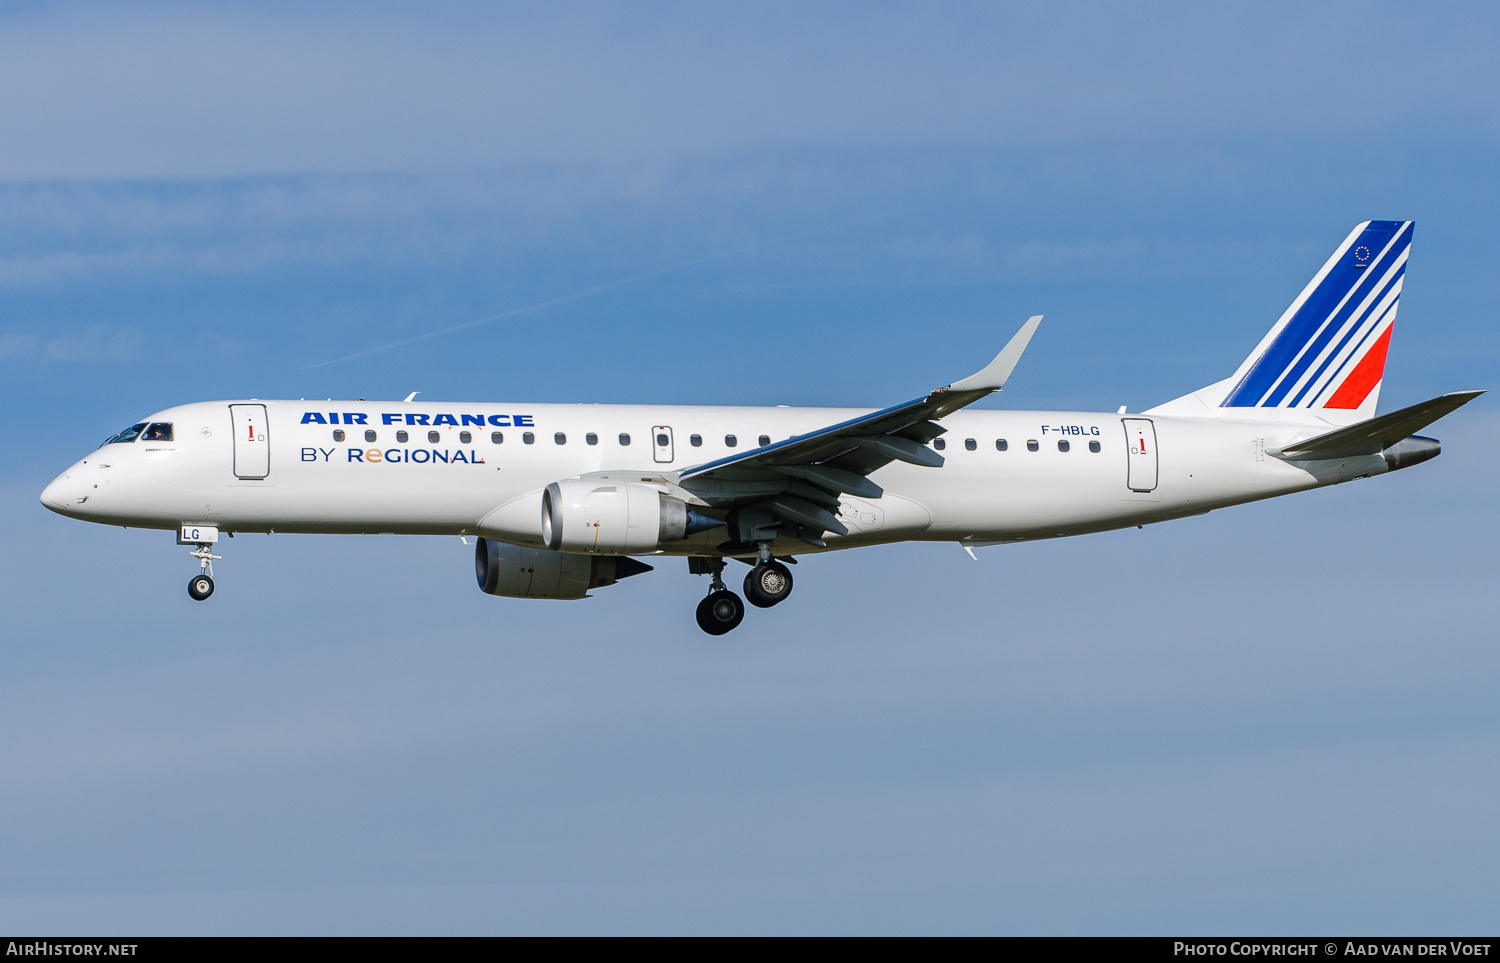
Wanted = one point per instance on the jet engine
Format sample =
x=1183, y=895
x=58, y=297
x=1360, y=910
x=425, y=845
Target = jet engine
x=1411, y=450
x=536, y=573
x=599, y=517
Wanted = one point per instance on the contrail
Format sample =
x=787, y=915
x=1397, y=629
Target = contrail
x=527, y=309
x=597, y=289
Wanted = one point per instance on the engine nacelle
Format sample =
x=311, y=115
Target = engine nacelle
x=535, y=573
x=598, y=517
x=1411, y=450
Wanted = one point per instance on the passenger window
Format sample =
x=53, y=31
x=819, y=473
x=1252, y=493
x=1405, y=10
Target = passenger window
x=730, y=441
x=1001, y=444
x=433, y=438
x=662, y=441
x=971, y=444
x=402, y=436
x=1063, y=446
x=764, y=440
x=128, y=435
x=624, y=439
x=591, y=438
x=939, y=443
x=158, y=431
x=528, y=439
x=1094, y=447
x=338, y=434
x=369, y=436
x=497, y=437
x=464, y=437
x=696, y=441
x=560, y=439
x=1031, y=445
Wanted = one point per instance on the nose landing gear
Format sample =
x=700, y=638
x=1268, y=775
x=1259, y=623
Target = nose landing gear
x=201, y=586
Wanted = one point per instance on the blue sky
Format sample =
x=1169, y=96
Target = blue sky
x=1276, y=718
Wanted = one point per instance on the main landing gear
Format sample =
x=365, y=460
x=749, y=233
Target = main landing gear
x=722, y=610
x=766, y=584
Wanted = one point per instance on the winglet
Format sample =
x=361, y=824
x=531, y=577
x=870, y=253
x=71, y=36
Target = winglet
x=997, y=372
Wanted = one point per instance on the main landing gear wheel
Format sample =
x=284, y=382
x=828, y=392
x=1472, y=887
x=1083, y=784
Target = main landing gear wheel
x=768, y=583
x=200, y=587
x=720, y=612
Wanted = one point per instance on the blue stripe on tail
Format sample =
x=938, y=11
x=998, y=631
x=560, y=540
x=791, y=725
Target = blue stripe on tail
x=1316, y=383
x=1323, y=316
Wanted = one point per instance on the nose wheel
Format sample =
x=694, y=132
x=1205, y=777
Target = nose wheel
x=201, y=586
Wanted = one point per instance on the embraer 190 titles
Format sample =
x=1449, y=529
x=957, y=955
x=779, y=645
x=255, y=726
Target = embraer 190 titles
x=563, y=499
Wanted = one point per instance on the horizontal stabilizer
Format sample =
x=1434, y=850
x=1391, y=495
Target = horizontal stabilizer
x=1374, y=436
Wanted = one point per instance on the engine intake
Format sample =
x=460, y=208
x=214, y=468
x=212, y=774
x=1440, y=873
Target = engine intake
x=597, y=517
x=535, y=573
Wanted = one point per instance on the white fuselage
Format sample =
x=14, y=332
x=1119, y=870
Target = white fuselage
x=491, y=483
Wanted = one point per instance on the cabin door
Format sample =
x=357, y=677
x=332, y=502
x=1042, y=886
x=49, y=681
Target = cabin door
x=1140, y=447
x=252, y=445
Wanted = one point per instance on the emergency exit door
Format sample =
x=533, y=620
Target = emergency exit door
x=661, y=444
x=1140, y=447
x=252, y=445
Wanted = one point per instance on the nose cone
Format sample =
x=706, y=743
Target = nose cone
x=65, y=495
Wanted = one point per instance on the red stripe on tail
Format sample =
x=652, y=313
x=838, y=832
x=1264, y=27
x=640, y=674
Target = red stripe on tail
x=1365, y=376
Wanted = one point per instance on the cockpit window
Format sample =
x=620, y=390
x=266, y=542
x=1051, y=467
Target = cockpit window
x=158, y=431
x=128, y=435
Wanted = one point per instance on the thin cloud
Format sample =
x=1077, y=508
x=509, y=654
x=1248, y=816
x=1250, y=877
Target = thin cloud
x=606, y=287
x=16, y=345
x=110, y=344
x=96, y=345
x=526, y=309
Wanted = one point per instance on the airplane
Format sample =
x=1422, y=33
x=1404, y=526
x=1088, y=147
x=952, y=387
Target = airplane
x=563, y=499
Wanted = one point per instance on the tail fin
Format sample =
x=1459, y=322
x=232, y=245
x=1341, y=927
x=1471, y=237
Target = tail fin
x=1326, y=354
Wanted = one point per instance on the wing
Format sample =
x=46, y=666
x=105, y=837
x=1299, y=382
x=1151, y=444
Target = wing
x=795, y=484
